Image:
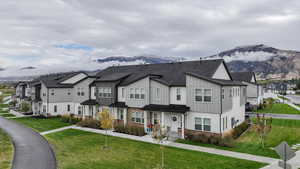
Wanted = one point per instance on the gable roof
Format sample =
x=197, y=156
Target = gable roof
x=171, y=74
x=243, y=76
x=54, y=80
x=221, y=82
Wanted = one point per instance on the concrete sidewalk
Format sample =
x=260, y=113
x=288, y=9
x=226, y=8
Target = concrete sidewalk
x=149, y=139
x=294, y=162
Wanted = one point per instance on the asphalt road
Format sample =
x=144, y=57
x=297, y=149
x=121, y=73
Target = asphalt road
x=32, y=151
x=276, y=116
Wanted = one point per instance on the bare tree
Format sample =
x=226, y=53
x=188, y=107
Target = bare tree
x=160, y=134
x=263, y=126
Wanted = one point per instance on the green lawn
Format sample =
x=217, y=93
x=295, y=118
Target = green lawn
x=282, y=130
x=6, y=151
x=279, y=108
x=3, y=106
x=7, y=115
x=41, y=125
x=77, y=149
x=3, y=111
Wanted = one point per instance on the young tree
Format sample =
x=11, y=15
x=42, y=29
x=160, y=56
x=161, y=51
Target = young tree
x=106, y=122
x=263, y=126
x=160, y=134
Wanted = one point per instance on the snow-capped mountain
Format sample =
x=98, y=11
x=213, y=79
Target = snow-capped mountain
x=267, y=62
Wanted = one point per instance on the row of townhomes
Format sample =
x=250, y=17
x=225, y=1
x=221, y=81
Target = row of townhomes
x=255, y=92
x=194, y=95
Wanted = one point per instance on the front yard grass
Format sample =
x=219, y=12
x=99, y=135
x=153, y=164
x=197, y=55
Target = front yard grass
x=77, y=149
x=282, y=130
x=7, y=115
x=6, y=151
x=42, y=124
x=279, y=108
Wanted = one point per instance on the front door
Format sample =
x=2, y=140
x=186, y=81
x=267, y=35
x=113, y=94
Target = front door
x=175, y=122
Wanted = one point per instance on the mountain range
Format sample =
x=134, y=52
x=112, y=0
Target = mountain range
x=267, y=62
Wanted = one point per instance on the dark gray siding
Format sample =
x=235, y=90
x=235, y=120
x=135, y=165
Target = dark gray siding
x=106, y=101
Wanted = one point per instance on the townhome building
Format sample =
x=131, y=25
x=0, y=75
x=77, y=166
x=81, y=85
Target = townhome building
x=198, y=96
x=62, y=93
x=255, y=92
x=23, y=92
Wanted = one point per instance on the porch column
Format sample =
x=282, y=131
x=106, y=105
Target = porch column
x=125, y=117
x=83, y=112
x=145, y=121
x=182, y=126
x=162, y=119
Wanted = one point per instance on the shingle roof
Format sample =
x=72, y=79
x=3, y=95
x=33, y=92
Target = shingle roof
x=171, y=74
x=243, y=76
x=53, y=80
x=218, y=81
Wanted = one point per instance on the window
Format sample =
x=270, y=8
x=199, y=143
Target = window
x=137, y=117
x=157, y=93
x=68, y=108
x=120, y=114
x=100, y=90
x=223, y=93
x=244, y=91
x=79, y=110
x=131, y=93
x=198, y=95
x=207, y=95
x=207, y=125
x=44, y=109
x=142, y=93
x=44, y=94
x=52, y=92
x=198, y=123
x=178, y=94
x=78, y=91
x=123, y=92
x=223, y=122
x=231, y=92
x=137, y=93
x=55, y=109
x=105, y=92
x=226, y=122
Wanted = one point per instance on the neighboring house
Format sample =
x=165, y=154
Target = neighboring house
x=195, y=95
x=255, y=91
x=23, y=92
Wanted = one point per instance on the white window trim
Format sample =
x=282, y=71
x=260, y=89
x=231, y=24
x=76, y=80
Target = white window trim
x=140, y=92
x=202, y=124
x=204, y=95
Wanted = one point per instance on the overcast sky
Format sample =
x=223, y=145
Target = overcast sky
x=69, y=33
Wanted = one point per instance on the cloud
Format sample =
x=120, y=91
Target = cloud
x=69, y=34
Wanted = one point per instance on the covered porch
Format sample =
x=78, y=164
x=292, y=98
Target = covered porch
x=89, y=109
x=171, y=117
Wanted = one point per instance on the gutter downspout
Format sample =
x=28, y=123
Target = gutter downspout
x=221, y=102
x=47, y=101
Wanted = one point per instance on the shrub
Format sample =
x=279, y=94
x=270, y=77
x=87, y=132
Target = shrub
x=129, y=129
x=240, y=129
x=70, y=119
x=209, y=138
x=13, y=103
x=90, y=123
x=25, y=107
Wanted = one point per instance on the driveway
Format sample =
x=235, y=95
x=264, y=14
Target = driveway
x=32, y=151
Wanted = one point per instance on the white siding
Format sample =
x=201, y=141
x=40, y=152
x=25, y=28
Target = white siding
x=214, y=119
x=62, y=108
x=173, y=93
x=163, y=93
x=120, y=97
x=221, y=73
